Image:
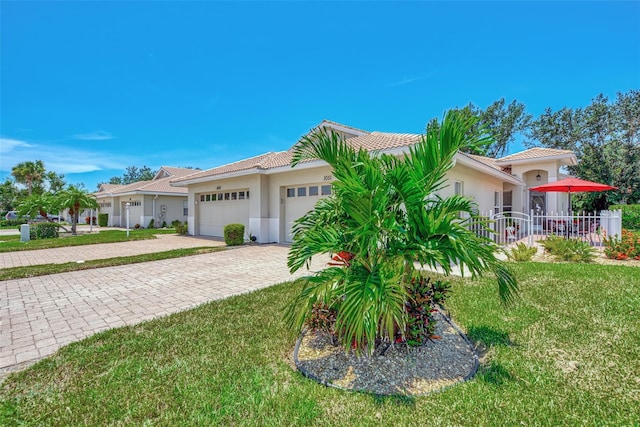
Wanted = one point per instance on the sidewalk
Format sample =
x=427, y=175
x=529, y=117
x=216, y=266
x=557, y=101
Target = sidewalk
x=163, y=242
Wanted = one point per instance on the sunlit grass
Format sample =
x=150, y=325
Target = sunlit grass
x=568, y=353
x=10, y=243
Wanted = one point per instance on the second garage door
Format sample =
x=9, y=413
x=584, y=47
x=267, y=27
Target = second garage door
x=216, y=210
x=299, y=200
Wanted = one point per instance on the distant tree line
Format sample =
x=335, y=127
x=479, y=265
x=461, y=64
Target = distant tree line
x=605, y=135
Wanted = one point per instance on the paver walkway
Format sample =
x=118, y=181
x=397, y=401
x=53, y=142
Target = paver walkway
x=163, y=242
x=41, y=314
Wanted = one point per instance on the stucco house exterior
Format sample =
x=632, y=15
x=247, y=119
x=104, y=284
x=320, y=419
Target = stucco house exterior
x=266, y=194
x=155, y=199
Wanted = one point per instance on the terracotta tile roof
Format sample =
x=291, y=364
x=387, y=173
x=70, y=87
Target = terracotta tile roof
x=534, y=153
x=486, y=160
x=383, y=140
x=107, y=188
x=159, y=185
x=178, y=172
x=330, y=122
x=256, y=162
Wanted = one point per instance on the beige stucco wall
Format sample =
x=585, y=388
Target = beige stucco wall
x=478, y=186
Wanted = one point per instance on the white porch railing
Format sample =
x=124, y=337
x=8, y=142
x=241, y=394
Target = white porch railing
x=511, y=227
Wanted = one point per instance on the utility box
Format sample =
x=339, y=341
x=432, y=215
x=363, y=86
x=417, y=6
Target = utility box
x=25, y=235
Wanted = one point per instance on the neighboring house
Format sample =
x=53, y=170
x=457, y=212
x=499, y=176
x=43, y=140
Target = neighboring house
x=266, y=194
x=154, y=199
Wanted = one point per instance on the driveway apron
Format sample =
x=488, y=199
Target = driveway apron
x=41, y=314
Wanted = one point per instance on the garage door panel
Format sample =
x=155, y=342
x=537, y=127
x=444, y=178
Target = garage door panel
x=214, y=216
x=299, y=200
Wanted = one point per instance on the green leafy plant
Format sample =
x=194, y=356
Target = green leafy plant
x=571, y=250
x=164, y=224
x=383, y=214
x=103, y=219
x=181, y=227
x=234, y=234
x=43, y=230
x=521, y=252
x=630, y=216
x=626, y=246
x=151, y=223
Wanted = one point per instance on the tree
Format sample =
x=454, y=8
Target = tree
x=133, y=174
x=36, y=204
x=385, y=215
x=75, y=199
x=502, y=122
x=29, y=173
x=605, y=137
x=8, y=195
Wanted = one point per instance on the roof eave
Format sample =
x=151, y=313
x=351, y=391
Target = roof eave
x=572, y=159
x=465, y=160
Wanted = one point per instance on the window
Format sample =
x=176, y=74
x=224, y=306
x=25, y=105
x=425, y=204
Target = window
x=234, y=196
x=202, y=197
x=185, y=208
x=302, y=191
x=135, y=203
x=507, y=200
x=291, y=192
x=105, y=204
x=458, y=188
x=219, y=196
x=241, y=195
x=326, y=190
x=247, y=194
x=213, y=197
x=208, y=198
x=313, y=191
x=226, y=196
x=496, y=201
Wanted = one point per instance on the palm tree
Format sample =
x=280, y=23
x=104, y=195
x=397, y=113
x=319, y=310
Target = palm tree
x=75, y=199
x=29, y=173
x=386, y=215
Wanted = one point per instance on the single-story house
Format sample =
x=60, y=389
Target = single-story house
x=266, y=194
x=154, y=199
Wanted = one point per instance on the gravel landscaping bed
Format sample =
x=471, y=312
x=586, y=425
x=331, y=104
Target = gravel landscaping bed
x=397, y=369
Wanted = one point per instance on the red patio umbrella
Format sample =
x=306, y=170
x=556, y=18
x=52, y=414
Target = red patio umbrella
x=572, y=185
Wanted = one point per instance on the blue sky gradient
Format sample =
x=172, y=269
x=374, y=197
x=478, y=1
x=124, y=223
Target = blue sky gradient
x=93, y=87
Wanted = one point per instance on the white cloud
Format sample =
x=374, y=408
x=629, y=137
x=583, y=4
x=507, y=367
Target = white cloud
x=98, y=135
x=7, y=145
x=58, y=157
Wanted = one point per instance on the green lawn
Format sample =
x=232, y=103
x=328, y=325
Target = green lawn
x=10, y=243
x=44, y=269
x=567, y=354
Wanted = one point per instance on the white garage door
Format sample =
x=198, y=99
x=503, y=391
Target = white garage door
x=299, y=200
x=222, y=208
x=135, y=213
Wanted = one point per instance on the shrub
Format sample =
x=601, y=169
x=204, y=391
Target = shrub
x=630, y=216
x=43, y=230
x=164, y=224
x=234, y=234
x=151, y=223
x=176, y=223
x=103, y=219
x=181, y=228
x=424, y=295
x=12, y=222
x=571, y=250
x=137, y=226
x=622, y=247
x=522, y=252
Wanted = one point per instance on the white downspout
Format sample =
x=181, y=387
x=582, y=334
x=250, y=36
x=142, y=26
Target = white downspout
x=153, y=208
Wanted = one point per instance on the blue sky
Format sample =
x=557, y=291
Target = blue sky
x=93, y=87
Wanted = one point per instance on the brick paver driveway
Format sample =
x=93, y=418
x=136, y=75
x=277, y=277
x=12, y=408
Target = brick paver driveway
x=41, y=314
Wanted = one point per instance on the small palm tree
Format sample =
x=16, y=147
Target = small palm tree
x=36, y=204
x=75, y=199
x=386, y=216
x=29, y=173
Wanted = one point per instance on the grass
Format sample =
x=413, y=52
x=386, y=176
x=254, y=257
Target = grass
x=44, y=269
x=10, y=243
x=567, y=354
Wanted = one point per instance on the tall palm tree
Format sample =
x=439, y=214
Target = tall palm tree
x=29, y=173
x=75, y=199
x=386, y=214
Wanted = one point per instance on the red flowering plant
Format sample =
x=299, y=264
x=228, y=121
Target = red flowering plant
x=622, y=247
